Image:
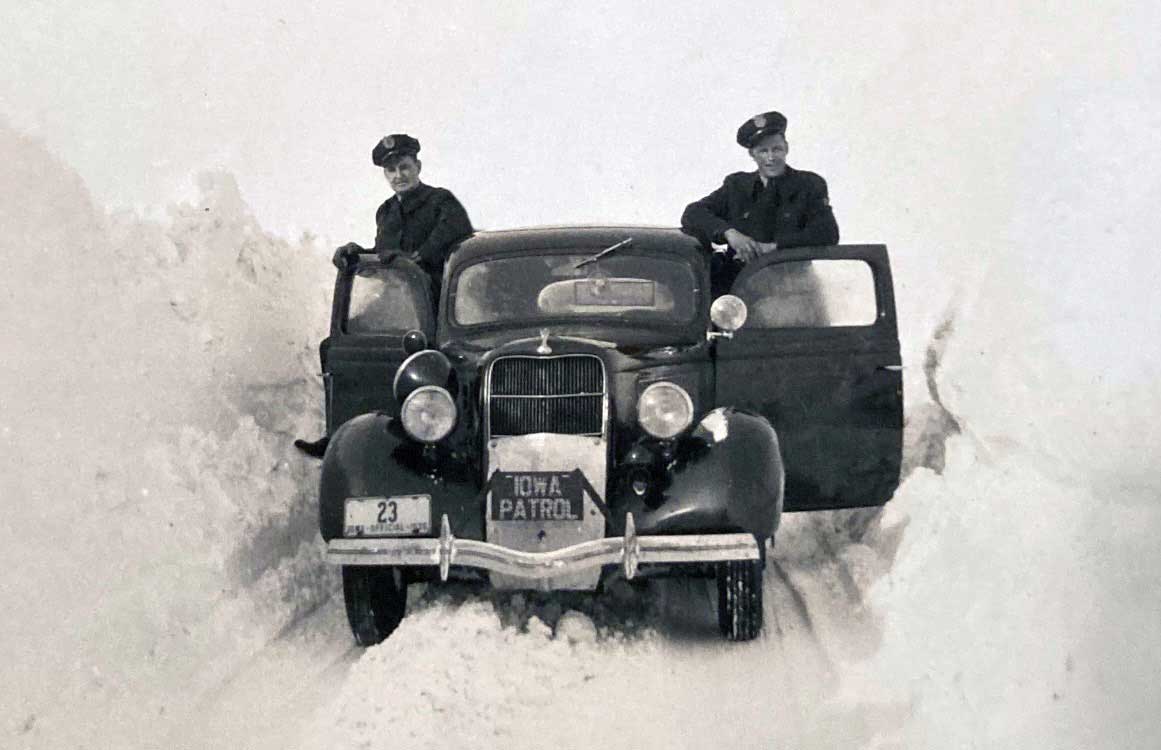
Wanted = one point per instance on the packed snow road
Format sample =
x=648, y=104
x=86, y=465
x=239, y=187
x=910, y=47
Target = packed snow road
x=635, y=665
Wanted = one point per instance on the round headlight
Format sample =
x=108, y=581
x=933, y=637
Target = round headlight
x=428, y=414
x=728, y=312
x=664, y=409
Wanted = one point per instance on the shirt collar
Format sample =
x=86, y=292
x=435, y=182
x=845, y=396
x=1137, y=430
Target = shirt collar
x=760, y=180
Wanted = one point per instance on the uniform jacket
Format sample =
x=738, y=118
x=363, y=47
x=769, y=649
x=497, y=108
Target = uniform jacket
x=793, y=210
x=427, y=222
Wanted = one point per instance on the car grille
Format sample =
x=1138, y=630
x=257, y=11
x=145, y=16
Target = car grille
x=547, y=394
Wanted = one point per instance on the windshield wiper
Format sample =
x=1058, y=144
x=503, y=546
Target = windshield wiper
x=608, y=250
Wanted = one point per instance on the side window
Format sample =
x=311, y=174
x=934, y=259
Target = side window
x=383, y=300
x=810, y=294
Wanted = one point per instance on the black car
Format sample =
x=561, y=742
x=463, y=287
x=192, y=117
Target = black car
x=578, y=408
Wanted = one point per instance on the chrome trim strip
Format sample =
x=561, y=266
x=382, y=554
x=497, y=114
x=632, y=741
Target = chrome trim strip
x=597, y=342
x=403, y=365
x=628, y=551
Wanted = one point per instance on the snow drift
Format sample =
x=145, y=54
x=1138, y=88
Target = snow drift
x=154, y=372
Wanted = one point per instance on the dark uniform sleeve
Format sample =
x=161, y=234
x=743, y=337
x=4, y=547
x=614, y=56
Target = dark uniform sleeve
x=451, y=225
x=820, y=227
x=705, y=219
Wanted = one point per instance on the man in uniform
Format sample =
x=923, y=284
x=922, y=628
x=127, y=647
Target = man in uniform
x=419, y=222
x=755, y=213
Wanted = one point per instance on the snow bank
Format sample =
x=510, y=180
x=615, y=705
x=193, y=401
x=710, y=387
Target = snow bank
x=1058, y=344
x=158, y=526
x=1021, y=602
x=1019, y=612
x=1021, y=607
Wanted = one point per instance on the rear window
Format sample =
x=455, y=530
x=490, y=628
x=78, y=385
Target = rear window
x=810, y=294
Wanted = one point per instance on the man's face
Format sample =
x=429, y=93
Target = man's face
x=402, y=173
x=770, y=154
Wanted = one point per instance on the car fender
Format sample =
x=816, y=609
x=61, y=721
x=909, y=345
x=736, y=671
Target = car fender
x=370, y=456
x=726, y=475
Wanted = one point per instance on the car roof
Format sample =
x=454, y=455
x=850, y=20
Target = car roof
x=667, y=240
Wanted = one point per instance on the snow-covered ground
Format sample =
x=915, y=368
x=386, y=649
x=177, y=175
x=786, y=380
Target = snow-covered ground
x=159, y=561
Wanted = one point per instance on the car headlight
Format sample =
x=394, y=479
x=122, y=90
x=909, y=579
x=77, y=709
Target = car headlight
x=664, y=409
x=728, y=313
x=428, y=413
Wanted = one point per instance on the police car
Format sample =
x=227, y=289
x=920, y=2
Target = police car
x=579, y=409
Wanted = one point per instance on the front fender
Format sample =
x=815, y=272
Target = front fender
x=727, y=475
x=370, y=456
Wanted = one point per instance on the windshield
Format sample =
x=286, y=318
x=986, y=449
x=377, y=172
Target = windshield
x=647, y=288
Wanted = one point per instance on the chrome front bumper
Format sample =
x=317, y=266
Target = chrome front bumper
x=628, y=551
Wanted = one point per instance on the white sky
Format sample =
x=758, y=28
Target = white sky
x=544, y=112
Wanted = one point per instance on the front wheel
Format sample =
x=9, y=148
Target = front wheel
x=376, y=598
x=740, y=599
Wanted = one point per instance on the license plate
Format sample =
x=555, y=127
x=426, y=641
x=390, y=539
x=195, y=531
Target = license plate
x=537, y=496
x=398, y=515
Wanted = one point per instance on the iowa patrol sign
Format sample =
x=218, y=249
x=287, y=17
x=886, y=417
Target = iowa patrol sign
x=537, y=496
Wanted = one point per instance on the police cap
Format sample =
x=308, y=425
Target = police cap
x=759, y=126
x=399, y=144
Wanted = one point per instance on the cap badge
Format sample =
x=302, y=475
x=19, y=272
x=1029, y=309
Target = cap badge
x=389, y=142
x=759, y=121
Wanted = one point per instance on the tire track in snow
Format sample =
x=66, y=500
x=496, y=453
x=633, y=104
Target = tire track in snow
x=845, y=578
x=267, y=701
x=786, y=591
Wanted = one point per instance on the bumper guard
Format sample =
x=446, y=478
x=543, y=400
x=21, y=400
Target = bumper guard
x=629, y=551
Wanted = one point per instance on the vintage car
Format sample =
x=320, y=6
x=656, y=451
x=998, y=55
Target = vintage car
x=578, y=409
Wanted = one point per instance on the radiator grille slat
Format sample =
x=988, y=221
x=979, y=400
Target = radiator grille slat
x=557, y=394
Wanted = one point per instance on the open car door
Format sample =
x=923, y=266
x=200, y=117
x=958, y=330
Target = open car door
x=819, y=357
x=374, y=306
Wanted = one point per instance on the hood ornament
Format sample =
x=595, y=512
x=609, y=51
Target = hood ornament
x=544, y=348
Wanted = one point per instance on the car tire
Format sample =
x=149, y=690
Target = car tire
x=376, y=599
x=740, y=599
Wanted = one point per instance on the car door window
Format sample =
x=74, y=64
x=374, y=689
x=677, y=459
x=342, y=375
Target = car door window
x=383, y=300
x=818, y=293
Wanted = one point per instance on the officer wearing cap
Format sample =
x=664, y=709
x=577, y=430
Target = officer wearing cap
x=420, y=222
x=755, y=213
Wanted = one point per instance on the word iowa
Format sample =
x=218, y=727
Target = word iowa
x=537, y=485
